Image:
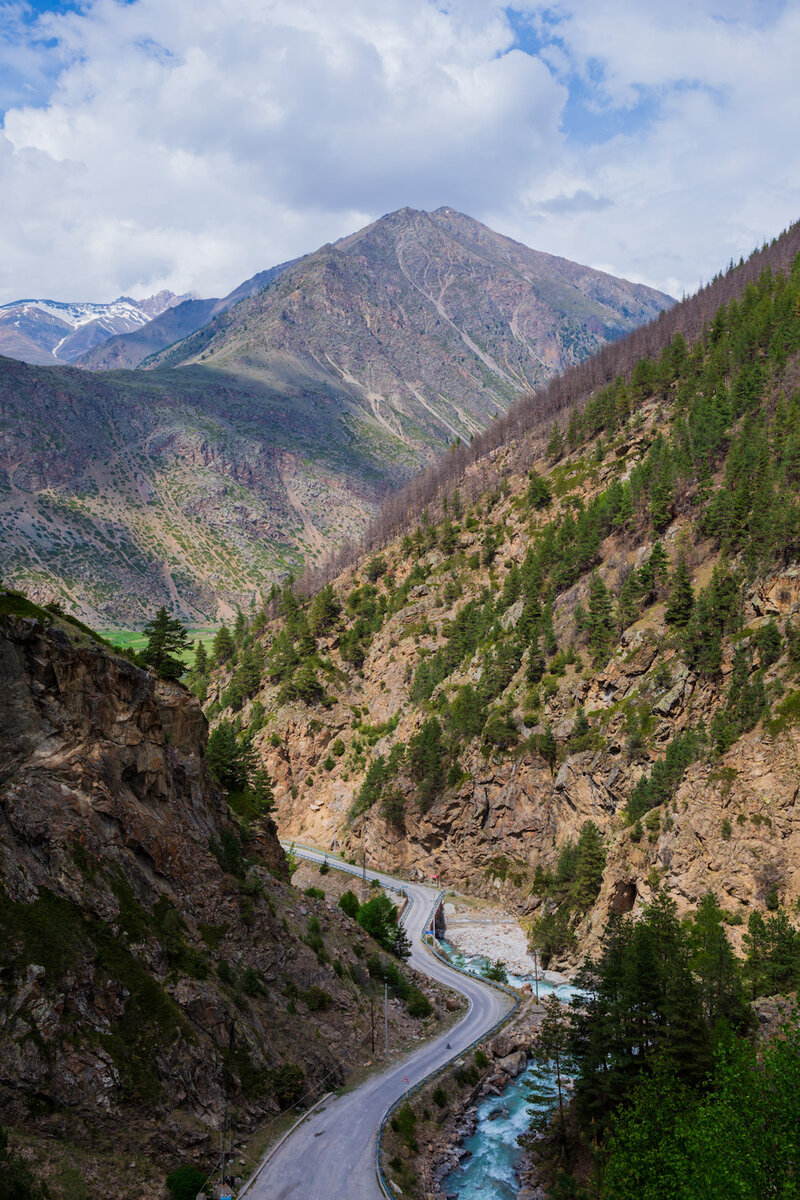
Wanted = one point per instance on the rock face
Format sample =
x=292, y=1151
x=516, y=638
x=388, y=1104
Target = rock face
x=143, y=987
x=732, y=826
x=283, y=421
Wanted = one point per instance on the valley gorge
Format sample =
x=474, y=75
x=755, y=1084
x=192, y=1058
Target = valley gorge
x=560, y=675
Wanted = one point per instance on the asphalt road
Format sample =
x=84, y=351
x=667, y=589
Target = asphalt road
x=331, y=1155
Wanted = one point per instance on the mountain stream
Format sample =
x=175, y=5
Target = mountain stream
x=489, y=1172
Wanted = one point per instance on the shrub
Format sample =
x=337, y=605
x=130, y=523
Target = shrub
x=288, y=1083
x=418, y=1004
x=439, y=1096
x=405, y=1125
x=317, y=998
x=185, y=1183
x=349, y=904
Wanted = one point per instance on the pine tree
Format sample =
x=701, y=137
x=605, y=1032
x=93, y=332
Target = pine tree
x=681, y=596
x=547, y=746
x=553, y=1048
x=200, y=667
x=262, y=792
x=323, y=611
x=223, y=646
x=228, y=761
x=599, y=620
x=535, y=669
x=628, y=601
x=538, y=495
x=167, y=640
x=591, y=860
x=488, y=548
x=716, y=967
x=555, y=445
x=426, y=758
x=447, y=538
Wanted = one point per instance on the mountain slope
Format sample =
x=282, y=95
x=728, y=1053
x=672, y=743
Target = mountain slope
x=574, y=678
x=267, y=439
x=48, y=331
x=123, y=491
x=128, y=350
x=438, y=322
x=155, y=965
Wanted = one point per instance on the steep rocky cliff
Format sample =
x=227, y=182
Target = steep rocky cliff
x=155, y=964
x=609, y=636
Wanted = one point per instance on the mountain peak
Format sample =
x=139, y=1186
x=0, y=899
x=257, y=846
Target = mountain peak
x=51, y=331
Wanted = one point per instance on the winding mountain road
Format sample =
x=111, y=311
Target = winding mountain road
x=331, y=1155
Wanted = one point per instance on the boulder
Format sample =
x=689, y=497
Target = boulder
x=514, y=1064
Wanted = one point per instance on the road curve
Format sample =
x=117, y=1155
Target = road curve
x=331, y=1155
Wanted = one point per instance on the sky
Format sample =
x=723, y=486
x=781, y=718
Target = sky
x=188, y=144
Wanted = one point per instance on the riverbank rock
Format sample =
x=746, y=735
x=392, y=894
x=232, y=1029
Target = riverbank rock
x=513, y=1064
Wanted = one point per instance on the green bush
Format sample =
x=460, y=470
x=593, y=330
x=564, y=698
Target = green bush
x=349, y=904
x=185, y=1183
x=418, y=1004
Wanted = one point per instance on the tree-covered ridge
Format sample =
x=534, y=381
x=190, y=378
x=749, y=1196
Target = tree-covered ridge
x=719, y=449
x=672, y=1095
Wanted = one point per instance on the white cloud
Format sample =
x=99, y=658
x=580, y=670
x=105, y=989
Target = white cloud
x=192, y=145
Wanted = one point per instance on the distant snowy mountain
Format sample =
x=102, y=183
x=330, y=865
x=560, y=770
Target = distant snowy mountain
x=52, y=331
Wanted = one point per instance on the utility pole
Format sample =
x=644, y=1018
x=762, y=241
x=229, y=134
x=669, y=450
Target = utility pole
x=386, y=1014
x=364, y=865
x=224, y=1138
x=372, y=1018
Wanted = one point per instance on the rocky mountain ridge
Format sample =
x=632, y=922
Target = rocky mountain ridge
x=608, y=639
x=434, y=321
x=129, y=349
x=269, y=438
x=155, y=964
x=52, y=331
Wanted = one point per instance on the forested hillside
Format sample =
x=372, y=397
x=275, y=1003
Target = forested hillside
x=609, y=638
x=569, y=678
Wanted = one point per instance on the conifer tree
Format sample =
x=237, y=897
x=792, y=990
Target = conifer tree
x=553, y=1048
x=538, y=495
x=447, y=537
x=323, y=611
x=547, y=746
x=628, y=601
x=555, y=445
x=599, y=620
x=200, y=667
x=167, y=640
x=223, y=646
x=535, y=668
x=591, y=860
x=681, y=596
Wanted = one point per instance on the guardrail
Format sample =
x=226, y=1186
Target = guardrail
x=340, y=864
x=417, y=1087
